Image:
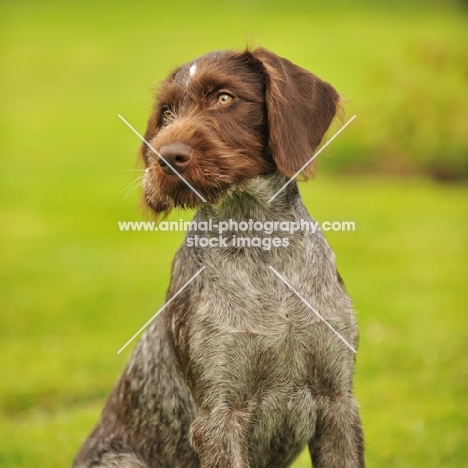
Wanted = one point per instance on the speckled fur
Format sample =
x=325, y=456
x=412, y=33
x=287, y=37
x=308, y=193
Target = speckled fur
x=237, y=371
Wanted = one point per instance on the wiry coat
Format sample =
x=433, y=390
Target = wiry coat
x=237, y=371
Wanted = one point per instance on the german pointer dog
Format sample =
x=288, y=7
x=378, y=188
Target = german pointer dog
x=247, y=364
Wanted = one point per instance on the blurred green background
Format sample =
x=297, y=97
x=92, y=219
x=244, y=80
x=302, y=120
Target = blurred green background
x=74, y=288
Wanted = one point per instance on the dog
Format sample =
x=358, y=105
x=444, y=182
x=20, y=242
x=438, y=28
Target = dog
x=253, y=358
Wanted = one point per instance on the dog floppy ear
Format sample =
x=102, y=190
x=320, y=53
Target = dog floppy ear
x=300, y=108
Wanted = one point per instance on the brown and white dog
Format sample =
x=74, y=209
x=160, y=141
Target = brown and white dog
x=238, y=371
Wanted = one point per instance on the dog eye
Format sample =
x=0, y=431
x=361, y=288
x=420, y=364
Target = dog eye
x=167, y=113
x=224, y=99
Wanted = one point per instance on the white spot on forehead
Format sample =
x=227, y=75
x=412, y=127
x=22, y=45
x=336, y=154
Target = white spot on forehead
x=193, y=69
x=189, y=75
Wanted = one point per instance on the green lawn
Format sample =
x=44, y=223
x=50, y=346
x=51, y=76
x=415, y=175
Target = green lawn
x=73, y=288
x=72, y=299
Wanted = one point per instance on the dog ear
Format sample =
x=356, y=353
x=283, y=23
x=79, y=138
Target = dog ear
x=300, y=108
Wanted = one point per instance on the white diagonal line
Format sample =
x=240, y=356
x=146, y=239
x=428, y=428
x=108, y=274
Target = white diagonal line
x=156, y=152
x=162, y=308
x=313, y=310
x=312, y=158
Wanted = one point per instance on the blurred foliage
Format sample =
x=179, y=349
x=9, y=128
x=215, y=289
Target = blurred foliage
x=420, y=105
x=400, y=66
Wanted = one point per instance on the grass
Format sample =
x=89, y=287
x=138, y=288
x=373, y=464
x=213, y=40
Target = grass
x=74, y=289
x=405, y=268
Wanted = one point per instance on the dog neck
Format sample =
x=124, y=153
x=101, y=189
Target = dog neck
x=251, y=201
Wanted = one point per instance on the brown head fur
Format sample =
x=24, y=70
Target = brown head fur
x=274, y=119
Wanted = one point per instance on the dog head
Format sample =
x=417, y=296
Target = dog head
x=228, y=117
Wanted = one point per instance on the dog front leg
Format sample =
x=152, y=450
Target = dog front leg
x=220, y=439
x=338, y=441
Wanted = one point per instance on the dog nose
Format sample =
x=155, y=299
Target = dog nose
x=178, y=155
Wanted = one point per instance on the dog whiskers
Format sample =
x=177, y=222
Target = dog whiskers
x=138, y=182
